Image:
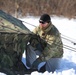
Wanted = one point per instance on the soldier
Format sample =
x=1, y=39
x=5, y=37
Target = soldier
x=49, y=55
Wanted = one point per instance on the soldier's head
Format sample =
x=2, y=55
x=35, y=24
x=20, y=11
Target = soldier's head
x=44, y=21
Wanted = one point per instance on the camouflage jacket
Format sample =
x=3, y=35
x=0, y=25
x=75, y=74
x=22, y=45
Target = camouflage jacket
x=54, y=48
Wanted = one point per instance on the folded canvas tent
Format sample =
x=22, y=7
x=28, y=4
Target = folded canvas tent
x=13, y=39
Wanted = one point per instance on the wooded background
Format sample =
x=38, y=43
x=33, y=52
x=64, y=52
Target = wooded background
x=21, y=8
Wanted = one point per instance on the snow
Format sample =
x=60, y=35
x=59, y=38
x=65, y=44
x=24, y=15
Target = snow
x=67, y=28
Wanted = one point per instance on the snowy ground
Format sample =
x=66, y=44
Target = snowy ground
x=67, y=29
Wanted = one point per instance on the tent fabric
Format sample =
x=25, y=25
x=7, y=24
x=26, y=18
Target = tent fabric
x=11, y=23
x=14, y=36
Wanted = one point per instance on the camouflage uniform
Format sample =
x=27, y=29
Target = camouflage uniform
x=51, y=35
x=54, y=48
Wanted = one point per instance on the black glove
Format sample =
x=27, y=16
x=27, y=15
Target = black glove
x=42, y=69
x=36, y=63
x=37, y=42
x=43, y=43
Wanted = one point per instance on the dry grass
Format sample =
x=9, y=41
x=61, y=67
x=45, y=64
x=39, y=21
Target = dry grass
x=66, y=8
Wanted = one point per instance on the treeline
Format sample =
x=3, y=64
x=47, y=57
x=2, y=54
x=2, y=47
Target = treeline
x=17, y=8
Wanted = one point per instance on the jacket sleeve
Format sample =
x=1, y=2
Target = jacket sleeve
x=54, y=48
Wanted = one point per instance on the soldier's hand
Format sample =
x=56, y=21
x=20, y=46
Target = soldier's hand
x=37, y=42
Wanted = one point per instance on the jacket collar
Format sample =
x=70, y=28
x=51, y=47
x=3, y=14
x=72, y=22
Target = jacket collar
x=48, y=28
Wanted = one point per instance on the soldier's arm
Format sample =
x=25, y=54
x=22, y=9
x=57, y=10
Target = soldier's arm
x=53, y=49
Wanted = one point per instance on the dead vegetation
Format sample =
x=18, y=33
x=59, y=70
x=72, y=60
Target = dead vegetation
x=19, y=8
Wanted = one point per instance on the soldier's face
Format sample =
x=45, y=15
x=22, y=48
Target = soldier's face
x=43, y=25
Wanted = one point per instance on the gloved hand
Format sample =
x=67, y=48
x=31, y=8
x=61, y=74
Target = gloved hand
x=39, y=47
x=37, y=42
x=34, y=40
x=39, y=66
x=36, y=63
x=42, y=67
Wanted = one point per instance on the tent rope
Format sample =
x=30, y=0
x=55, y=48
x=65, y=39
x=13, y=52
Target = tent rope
x=63, y=36
x=65, y=46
